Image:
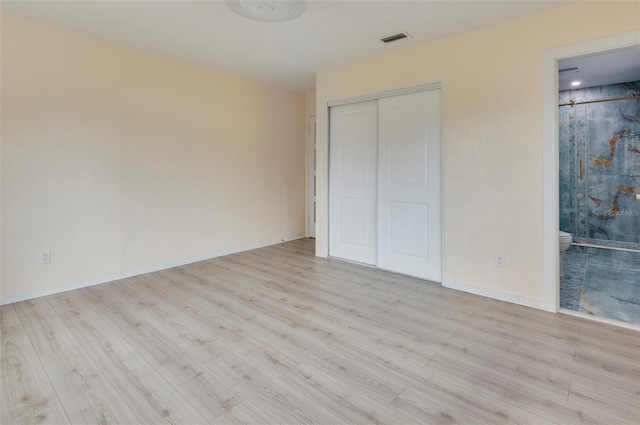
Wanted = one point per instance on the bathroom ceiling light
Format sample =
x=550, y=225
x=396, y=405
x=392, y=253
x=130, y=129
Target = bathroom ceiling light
x=575, y=83
x=268, y=10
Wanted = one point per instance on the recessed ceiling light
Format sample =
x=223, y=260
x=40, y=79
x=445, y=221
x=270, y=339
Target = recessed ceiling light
x=268, y=10
x=575, y=83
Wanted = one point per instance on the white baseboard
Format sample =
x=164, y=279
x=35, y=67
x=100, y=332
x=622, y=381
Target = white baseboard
x=111, y=278
x=502, y=296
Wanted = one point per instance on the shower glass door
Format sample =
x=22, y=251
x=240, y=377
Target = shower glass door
x=599, y=201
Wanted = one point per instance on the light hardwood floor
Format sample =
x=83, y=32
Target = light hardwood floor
x=278, y=336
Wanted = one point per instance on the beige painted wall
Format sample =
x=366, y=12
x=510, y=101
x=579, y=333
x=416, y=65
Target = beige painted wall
x=310, y=104
x=492, y=93
x=310, y=111
x=121, y=161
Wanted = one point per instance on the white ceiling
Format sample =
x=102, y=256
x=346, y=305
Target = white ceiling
x=286, y=54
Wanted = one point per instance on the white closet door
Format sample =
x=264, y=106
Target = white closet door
x=352, y=181
x=409, y=185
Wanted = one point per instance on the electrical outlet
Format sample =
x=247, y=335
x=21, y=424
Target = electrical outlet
x=45, y=256
x=499, y=260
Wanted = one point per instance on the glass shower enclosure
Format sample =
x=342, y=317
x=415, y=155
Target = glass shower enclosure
x=600, y=200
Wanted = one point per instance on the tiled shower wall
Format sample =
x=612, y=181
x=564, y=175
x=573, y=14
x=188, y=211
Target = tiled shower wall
x=598, y=204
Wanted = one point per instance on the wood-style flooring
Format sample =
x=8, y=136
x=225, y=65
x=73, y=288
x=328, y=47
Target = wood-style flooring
x=278, y=336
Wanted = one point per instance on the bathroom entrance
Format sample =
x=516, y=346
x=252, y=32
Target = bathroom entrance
x=599, y=184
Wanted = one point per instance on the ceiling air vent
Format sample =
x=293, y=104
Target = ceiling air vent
x=394, y=37
x=568, y=70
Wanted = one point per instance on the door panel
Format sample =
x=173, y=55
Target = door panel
x=408, y=159
x=353, y=160
x=407, y=220
x=409, y=194
x=355, y=221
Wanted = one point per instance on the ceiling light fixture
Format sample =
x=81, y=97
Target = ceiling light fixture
x=575, y=83
x=268, y=10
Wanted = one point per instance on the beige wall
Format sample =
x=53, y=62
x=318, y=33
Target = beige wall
x=310, y=104
x=310, y=111
x=492, y=91
x=121, y=161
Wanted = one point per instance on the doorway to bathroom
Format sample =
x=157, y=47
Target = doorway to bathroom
x=599, y=184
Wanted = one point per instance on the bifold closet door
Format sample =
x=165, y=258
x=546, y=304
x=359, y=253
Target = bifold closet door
x=353, y=181
x=409, y=185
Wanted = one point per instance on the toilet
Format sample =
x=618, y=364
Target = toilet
x=565, y=242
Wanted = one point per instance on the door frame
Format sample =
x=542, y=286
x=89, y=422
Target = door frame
x=436, y=85
x=311, y=176
x=550, y=148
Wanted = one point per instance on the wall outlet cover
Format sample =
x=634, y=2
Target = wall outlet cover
x=45, y=256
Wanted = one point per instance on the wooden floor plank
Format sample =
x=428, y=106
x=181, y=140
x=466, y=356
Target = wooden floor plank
x=616, y=401
x=85, y=393
x=464, y=404
x=155, y=400
x=349, y=401
x=512, y=393
x=72, y=308
x=107, y=348
x=507, y=368
x=27, y=396
x=608, y=364
x=277, y=335
x=47, y=333
x=101, y=299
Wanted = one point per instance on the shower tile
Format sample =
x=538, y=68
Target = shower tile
x=602, y=283
x=627, y=157
x=607, y=255
x=616, y=263
x=611, y=292
x=600, y=204
x=565, y=96
x=613, y=211
x=571, y=284
x=630, y=111
x=581, y=180
x=567, y=170
x=626, y=226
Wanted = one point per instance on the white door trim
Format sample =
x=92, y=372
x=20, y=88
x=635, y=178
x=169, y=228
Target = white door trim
x=550, y=162
x=311, y=177
x=385, y=93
